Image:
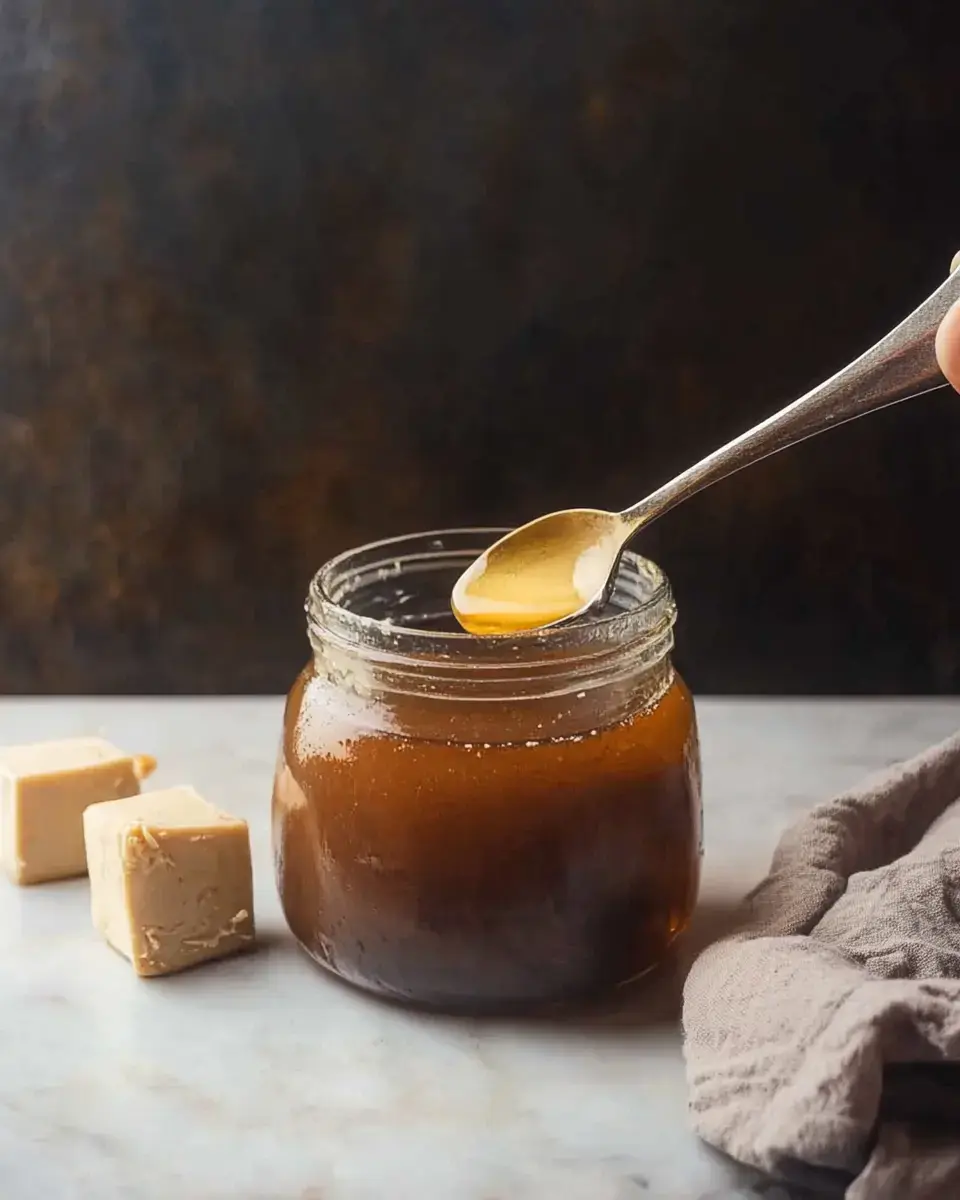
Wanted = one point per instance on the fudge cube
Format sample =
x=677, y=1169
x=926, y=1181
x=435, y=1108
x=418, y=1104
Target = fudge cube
x=171, y=882
x=44, y=789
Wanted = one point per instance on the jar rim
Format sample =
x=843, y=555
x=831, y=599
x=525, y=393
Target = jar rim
x=644, y=610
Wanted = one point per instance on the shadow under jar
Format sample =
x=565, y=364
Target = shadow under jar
x=483, y=824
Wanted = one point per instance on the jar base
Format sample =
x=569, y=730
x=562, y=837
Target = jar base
x=597, y=999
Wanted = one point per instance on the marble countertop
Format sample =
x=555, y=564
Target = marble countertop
x=263, y=1079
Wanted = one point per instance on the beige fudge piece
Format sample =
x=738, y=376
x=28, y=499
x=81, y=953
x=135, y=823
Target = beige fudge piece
x=44, y=789
x=171, y=884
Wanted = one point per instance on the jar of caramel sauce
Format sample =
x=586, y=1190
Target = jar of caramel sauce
x=484, y=823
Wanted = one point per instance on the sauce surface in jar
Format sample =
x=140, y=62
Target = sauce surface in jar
x=471, y=824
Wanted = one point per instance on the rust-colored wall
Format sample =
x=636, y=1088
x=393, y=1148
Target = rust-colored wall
x=279, y=276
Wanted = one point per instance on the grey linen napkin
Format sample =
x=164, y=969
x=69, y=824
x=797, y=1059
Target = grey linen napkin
x=824, y=1035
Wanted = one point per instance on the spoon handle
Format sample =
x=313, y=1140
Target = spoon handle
x=900, y=365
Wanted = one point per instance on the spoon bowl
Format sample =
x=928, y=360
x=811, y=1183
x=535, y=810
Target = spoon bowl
x=551, y=570
x=560, y=567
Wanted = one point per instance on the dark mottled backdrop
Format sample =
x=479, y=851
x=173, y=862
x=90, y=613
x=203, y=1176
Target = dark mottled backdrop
x=279, y=276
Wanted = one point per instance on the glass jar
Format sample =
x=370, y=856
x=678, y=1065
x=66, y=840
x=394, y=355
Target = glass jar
x=474, y=823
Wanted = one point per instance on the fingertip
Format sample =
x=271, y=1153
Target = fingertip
x=948, y=345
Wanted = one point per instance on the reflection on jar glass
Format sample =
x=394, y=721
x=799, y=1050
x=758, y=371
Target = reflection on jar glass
x=484, y=823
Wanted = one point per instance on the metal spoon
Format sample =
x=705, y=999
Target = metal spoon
x=562, y=566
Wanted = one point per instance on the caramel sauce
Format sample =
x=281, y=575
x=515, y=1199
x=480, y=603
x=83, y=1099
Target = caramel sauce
x=484, y=876
x=541, y=573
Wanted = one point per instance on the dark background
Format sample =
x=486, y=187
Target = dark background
x=281, y=276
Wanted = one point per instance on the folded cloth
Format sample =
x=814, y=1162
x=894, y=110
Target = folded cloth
x=824, y=1035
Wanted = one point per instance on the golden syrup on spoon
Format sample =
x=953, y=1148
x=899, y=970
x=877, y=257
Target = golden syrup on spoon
x=544, y=572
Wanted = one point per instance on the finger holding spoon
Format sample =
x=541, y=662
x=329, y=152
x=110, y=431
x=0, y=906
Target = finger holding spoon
x=948, y=339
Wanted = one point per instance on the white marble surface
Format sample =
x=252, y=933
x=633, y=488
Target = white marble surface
x=264, y=1079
